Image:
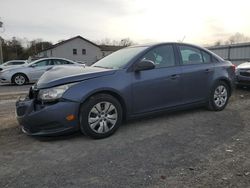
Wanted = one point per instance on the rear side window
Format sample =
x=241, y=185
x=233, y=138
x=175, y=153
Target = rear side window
x=61, y=62
x=162, y=56
x=192, y=55
x=64, y=62
x=206, y=57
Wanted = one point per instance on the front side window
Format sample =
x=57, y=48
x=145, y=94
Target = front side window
x=192, y=55
x=162, y=56
x=43, y=63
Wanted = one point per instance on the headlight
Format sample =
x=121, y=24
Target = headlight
x=5, y=71
x=53, y=93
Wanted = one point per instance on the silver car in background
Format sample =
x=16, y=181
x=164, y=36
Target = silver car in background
x=12, y=64
x=243, y=74
x=30, y=73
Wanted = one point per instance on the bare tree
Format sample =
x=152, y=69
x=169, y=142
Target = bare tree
x=238, y=38
x=218, y=43
x=106, y=41
x=123, y=42
x=126, y=42
x=233, y=39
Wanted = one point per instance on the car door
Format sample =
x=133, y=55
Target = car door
x=37, y=69
x=160, y=87
x=197, y=73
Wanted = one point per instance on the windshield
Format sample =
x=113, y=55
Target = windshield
x=119, y=58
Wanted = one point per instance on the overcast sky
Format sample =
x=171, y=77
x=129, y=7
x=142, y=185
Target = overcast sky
x=201, y=22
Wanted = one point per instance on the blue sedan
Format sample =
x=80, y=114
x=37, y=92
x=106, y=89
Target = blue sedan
x=132, y=82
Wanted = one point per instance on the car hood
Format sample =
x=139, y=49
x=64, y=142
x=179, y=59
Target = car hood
x=244, y=66
x=67, y=74
x=14, y=67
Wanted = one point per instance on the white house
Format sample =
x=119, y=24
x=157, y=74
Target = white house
x=108, y=49
x=78, y=49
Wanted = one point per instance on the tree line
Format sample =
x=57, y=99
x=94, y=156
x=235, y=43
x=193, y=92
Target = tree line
x=122, y=42
x=233, y=39
x=17, y=48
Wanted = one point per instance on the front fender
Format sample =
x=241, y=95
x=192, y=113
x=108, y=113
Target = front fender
x=118, y=84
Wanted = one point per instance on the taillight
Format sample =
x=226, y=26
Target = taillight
x=234, y=67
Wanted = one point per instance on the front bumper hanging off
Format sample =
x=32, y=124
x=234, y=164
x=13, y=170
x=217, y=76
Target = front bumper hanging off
x=47, y=119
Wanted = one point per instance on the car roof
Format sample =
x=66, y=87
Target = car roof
x=151, y=45
x=162, y=43
x=47, y=58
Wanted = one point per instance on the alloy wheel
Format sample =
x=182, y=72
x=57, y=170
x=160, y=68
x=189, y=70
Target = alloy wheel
x=102, y=117
x=20, y=80
x=220, y=96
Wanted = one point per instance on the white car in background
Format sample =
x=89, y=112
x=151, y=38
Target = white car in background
x=30, y=73
x=12, y=64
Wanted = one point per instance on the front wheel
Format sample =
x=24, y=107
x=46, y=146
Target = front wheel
x=19, y=79
x=100, y=116
x=219, y=96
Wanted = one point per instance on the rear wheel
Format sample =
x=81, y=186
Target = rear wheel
x=19, y=79
x=219, y=96
x=100, y=116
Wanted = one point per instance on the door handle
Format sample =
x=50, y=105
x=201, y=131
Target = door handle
x=174, y=76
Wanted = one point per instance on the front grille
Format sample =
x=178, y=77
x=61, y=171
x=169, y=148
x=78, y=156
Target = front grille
x=245, y=74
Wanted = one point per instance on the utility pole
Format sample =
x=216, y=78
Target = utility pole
x=1, y=50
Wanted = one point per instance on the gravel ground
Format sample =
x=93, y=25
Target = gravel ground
x=193, y=148
x=4, y=88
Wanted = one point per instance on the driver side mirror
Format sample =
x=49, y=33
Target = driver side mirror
x=144, y=65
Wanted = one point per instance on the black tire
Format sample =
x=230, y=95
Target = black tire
x=21, y=76
x=85, y=111
x=211, y=103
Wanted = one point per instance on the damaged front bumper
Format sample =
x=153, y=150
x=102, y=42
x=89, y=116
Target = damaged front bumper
x=47, y=119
